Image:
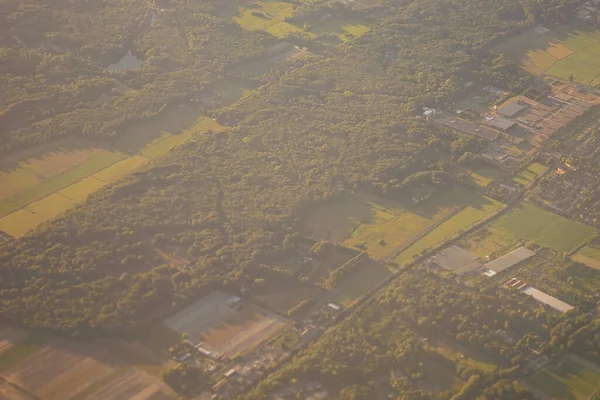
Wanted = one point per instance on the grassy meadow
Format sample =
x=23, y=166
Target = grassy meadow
x=477, y=209
x=378, y=225
x=563, y=51
x=544, y=228
x=529, y=173
x=569, y=380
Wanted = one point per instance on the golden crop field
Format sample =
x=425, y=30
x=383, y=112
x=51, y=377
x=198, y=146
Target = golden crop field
x=43, y=182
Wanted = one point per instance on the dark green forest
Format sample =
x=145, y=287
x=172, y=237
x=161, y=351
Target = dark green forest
x=228, y=200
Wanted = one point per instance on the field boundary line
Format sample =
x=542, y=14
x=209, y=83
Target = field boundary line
x=59, y=187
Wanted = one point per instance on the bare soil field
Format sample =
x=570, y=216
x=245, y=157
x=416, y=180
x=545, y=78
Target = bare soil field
x=60, y=370
x=224, y=329
x=133, y=385
x=9, y=392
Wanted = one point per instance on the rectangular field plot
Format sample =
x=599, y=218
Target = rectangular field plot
x=355, y=284
x=545, y=228
x=589, y=256
x=20, y=222
x=485, y=242
x=214, y=322
x=15, y=181
x=59, y=370
x=344, y=29
x=127, y=384
x=282, y=301
x=120, y=169
x=386, y=231
x=569, y=380
x=51, y=206
x=45, y=188
x=480, y=208
x=568, y=51
x=79, y=192
x=529, y=173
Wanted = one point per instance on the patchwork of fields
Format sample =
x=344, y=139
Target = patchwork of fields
x=40, y=185
x=571, y=379
x=479, y=208
x=377, y=225
x=36, y=367
x=529, y=173
x=544, y=228
x=564, y=52
x=273, y=17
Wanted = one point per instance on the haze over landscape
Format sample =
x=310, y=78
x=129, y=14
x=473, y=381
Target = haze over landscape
x=300, y=199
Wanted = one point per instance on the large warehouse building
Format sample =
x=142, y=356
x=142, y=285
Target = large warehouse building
x=506, y=261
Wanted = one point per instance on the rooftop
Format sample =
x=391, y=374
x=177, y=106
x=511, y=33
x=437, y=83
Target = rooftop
x=510, y=109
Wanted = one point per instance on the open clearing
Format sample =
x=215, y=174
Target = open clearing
x=529, y=173
x=486, y=242
x=569, y=380
x=270, y=16
x=589, y=256
x=485, y=175
x=224, y=329
x=282, y=301
x=544, y=228
x=50, y=180
x=479, y=208
x=378, y=225
x=343, y=29
x=562, y=51
x=353, y=285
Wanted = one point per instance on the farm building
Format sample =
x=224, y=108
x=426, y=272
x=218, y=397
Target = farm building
x=507, y=261
x=547, y=299
x=511, y=109
x=457, y=260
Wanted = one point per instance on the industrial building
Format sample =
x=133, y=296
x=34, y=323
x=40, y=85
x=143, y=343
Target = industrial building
x=507, y=261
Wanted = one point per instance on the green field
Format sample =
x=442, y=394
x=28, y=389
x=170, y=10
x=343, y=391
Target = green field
x=479, y=208
x=270, y=17
x=569, y=50
x=488, y=241
x=376, y=224
x=589, y=256
x=354, y=285
x=81, y=171
x=570, y=380
x=485, y=175
x=544, y=228
x=343, y=29
x=529, y=173
x=45, y=188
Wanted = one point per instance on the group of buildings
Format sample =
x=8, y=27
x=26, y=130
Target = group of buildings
x=519, y=119
x=463, y=262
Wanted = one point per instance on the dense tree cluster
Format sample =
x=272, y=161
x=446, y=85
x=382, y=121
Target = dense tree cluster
x=53, y=60
x=228, y=200
x=392, y=342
